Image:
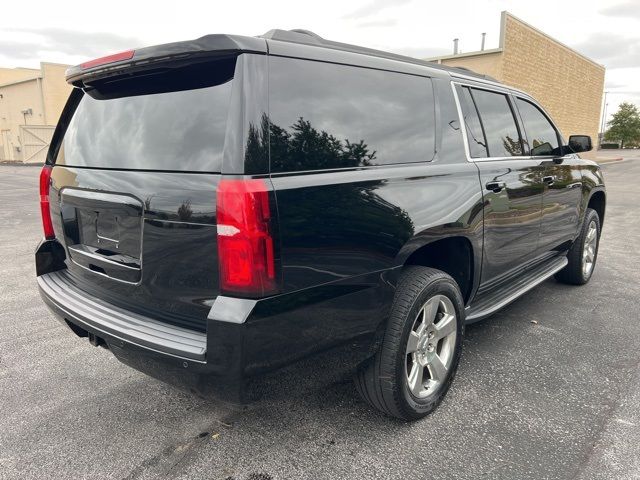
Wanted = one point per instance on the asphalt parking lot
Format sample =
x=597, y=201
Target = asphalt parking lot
x=548, y=388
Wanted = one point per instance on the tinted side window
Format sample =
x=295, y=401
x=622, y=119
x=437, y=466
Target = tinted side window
x=542, y=137
x=499, y=124
x=335, y=116
x=475, y=135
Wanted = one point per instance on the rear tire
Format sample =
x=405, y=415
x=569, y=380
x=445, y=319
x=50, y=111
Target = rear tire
x=583, y=253
x=417, y=361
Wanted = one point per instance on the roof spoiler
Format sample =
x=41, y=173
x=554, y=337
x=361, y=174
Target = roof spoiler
x=167, y=55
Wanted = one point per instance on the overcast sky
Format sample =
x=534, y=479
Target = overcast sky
x=71, y=32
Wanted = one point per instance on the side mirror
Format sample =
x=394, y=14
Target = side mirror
x=580, y=143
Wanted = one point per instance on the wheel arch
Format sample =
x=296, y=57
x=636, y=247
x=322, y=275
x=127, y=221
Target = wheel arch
x=454, y=255
x=598, y=202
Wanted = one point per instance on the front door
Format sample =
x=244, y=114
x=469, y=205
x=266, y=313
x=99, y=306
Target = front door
x=561, y=176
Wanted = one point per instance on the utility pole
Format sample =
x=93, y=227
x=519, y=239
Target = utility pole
x=604, y=113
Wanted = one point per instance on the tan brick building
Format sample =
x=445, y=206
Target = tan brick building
x=566, y=83
x=31, y=101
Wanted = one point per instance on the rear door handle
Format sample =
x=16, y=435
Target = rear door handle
x=496, y=187
x=549, y=179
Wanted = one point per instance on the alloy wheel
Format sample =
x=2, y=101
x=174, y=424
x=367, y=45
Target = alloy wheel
x=431, y=346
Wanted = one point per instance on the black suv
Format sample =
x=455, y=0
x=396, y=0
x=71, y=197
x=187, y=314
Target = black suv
x=219, y=208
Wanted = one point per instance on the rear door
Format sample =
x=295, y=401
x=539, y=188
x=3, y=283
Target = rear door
x=562, y=178
x=512, y=183
x=134, y=189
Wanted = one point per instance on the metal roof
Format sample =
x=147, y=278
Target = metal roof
x=307, y=37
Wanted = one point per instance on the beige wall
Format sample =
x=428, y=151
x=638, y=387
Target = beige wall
x=9, y=75
x=55, y=90
x=44, y=91
x=567, y=84
x=486, y=63
x=15, y=98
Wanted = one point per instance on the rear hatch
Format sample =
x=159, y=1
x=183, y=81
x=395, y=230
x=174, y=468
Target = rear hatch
x=133, y=188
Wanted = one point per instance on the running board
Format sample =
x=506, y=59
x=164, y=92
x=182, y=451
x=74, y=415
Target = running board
x=503, y=295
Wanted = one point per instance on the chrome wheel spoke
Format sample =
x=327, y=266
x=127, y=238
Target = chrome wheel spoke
x=431, y=310
x=589, y=249
x=415, y=378
x=445, y=327
x=412, y=343
x=437, y=369
x=422, y=327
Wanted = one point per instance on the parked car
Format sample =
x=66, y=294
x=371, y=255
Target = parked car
x=220, y=208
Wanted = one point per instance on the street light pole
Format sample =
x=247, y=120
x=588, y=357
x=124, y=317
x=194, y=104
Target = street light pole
x=604, y=114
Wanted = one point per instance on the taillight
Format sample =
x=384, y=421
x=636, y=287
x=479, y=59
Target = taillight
x=245, y=245
x=45, y=183
x=116, y=57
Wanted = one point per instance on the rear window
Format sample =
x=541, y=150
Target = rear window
x=327, y=116
x=167, y=121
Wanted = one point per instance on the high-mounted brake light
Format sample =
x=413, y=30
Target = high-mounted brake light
x=245, y=244
x=45, y=183
x=116, y=57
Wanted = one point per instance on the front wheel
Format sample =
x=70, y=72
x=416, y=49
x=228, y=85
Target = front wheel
x=583, y=253
x=415, y=365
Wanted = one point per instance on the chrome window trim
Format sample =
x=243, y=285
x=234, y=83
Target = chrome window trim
x=463, y=127
x=490, y=84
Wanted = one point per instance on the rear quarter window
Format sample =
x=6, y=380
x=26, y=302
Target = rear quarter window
x=325, y=116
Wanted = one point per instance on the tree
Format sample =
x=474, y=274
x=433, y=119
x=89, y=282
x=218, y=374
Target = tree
x=302, y=146
x=624, y=126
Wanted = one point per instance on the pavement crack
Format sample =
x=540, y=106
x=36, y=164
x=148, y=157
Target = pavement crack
x=149, y=463
x=168, y=461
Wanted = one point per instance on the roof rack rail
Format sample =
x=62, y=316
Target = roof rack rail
x=308, y=37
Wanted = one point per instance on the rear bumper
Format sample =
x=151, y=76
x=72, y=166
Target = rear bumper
x=244, y=338
x=175, y=355
x=110, y=321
